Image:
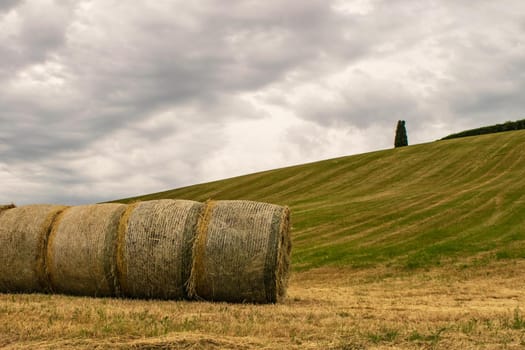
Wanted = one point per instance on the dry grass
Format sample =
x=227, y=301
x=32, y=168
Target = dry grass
x=481, y=307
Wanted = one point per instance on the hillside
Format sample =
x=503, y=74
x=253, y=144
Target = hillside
x=460, y=201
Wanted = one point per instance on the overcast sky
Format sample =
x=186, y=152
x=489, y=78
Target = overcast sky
x=105, y=99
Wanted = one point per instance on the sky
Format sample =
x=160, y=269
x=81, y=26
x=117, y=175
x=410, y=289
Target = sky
x=106, y=99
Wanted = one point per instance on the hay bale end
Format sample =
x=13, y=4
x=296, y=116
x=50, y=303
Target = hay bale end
x=241, y=252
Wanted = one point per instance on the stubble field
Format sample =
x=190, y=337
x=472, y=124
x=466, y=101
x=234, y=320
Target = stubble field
x=477, y=307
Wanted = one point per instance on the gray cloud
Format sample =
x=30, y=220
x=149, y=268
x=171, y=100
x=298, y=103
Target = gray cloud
x=100, y=100
x=362, y=101
x=7, y=5
x=115, y=70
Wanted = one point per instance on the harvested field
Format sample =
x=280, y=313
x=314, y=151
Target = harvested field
x=427, y=255
x=411, y=207
x=479, y=307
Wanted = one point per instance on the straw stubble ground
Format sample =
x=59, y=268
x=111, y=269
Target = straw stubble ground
x=479, y=307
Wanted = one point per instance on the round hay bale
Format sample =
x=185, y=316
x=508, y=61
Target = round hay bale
x=81, y=256
x=155, y=246
x=241, y=253
x=6, y=206
x=23, y=239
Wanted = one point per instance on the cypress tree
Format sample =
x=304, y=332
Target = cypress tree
x=401, y=135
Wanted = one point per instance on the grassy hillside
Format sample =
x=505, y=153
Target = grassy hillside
x=459, y=200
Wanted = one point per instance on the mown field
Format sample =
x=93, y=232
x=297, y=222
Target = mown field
x=415, y=248
x=337, y=309
x=419, y=206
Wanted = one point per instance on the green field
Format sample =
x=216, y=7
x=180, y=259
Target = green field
x=458, y=201
x=413, y=248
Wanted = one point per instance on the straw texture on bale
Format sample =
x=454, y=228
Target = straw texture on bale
x=235, y=251
x=23, y=239
x=155, y=247
x=241, y=252
x=81, y=255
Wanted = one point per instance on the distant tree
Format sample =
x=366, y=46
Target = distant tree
x=401, y=135
x=491, y=129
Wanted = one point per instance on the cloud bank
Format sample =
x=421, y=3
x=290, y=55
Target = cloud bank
x=103, y=99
